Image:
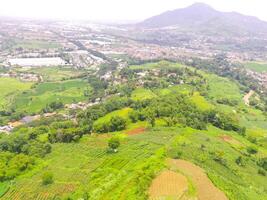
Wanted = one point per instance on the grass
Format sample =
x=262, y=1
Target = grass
x=256, y=66
x=121, y=113
x=220, y=87
x=54, y=73
x=4, y=186
x=35, y=44
x=224, y=176
x=9, y=88
x=157, y=65
x=44, y=93
x=201, y=102
x=142, y=94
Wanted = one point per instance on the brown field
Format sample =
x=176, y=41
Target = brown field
x=205, y=188
x=168, y=184
x=136, y=131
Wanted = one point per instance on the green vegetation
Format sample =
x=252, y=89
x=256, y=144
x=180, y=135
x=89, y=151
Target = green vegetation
x=115, y=148
x=257, y=67
x=11, y=87
x=47, y=178
x=141, y=94
x=35, y=44
x=42, y=94
x=54, y=73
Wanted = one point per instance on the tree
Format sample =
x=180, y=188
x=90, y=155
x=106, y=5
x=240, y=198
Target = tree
x=239, y=161
x=117, y=124
x=113, y=144
x=47, y=178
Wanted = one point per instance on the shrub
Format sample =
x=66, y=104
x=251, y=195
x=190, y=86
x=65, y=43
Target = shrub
x=113, y=144
x=47, y=178
x=252, y=150
x=117, y=124
x=239, y=161
x=262, y=172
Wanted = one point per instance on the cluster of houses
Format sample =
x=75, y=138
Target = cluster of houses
x=25, y=77
x=25, y=120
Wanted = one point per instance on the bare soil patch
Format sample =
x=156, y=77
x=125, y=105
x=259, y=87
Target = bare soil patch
x=247, y=97
x=230, y=140
x=205, y=188
x=168, y=184
x=136, y=131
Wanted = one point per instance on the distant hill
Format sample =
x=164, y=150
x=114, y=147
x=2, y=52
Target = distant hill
x=202, y=17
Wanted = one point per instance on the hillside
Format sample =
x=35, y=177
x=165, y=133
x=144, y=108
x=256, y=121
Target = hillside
x=201, y=17
x=173, y=131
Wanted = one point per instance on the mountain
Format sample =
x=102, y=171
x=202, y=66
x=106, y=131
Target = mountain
x=201, y=16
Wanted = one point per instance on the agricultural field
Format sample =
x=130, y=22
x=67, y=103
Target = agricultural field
x=256, y=66
x=158, y=65
x=142, y=94
x=222, y=87
x=35, y=44
x=166, y=140
x=53, y=73
x=9, y=88
x=42, y=94
x=84, y=168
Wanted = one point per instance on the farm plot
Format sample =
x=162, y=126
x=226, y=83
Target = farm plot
x=36, y=99
x=168, y=185
x=9, y=88
x=205, y=188
x=86, y=168
x=256, y=66
x=219, y=159
x=53, y=73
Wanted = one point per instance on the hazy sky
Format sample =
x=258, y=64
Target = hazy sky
x=119, y=9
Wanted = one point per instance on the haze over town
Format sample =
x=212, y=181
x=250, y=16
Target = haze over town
x=118, y=10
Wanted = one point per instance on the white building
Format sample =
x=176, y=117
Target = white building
x=36, y=62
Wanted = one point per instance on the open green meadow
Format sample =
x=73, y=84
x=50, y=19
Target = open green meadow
x=53, y=73
x=9, y=88
x=256, y=66
x=35, y=44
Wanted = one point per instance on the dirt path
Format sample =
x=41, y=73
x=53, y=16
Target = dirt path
x=205, y=188
x=168, y=184
x=247, y=97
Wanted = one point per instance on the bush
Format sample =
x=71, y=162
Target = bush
x=262, y=172
x=117, y=124
x=239, y=161
x=252, y=150
x=47, y=178
x=113, y=144
x=262, y=162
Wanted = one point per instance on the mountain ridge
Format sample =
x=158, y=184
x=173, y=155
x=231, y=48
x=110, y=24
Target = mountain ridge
x=201, y=15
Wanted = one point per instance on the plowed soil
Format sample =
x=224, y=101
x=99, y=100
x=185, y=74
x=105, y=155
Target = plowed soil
x=205, y=188
x=168, y=185
x=136, y=131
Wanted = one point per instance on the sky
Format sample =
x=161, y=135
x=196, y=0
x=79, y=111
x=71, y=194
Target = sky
x=118, y=10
